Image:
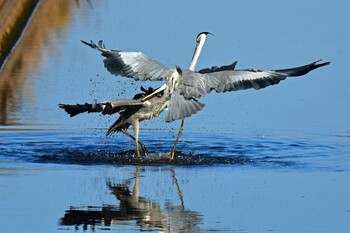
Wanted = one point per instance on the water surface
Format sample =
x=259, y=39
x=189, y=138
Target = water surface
x=83, y=181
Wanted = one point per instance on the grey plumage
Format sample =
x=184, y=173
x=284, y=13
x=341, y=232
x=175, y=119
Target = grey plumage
x=180, y=107
x=129, y=110
x=106, y=108
x=193, y=85
x=134, y=65
x=132, y=115
x=198, y=85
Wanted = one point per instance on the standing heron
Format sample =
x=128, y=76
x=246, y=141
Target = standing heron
x=133, y=111
x=144, y=105
x=192, y=85
x=200, y=41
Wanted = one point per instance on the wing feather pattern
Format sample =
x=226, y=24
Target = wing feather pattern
x=134, y=65
x=179, y=107
x=198, y=85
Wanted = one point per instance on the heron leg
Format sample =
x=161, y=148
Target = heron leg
x=136, y=133
x=172, y=153
x=143, y=146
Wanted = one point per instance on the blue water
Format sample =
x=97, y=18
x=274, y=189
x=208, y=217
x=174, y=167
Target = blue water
x=81, y=181
x=313, y=151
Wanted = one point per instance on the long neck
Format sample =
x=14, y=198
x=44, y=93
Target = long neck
x=197, y=53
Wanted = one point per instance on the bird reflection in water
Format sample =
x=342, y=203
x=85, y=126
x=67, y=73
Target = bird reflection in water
x=135, y=210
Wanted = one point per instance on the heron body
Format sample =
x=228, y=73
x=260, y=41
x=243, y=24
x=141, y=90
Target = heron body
x=132, y=112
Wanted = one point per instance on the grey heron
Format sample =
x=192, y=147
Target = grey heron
x=134, y=111
x=192, y=85
x=200, y=41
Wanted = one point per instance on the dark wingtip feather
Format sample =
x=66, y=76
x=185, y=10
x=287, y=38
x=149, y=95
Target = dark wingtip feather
x=87, y=43
x=213, y=69
x=321, y=64
x=75, y=109
x=92, y=44
x=302, y=70
x=69, y=110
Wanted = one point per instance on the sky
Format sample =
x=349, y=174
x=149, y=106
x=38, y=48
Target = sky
x=259, y=34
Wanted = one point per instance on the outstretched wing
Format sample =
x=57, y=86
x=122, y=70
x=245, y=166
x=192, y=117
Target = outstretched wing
x=106, y=108
x=197, y=85
x=134, y=65
x=179, y=107
x=246, y=79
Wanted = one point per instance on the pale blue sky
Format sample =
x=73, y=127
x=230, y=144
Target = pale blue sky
x=259, y=34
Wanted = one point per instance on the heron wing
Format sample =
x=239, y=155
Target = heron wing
x=197, y=85
x=245, y=79
x=134, y=65
x=231, y=66
x=113, y=106
x=193, y=84
x=180, y=107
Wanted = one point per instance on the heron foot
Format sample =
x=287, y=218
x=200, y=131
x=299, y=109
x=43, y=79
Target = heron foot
x=138, y=153
x=144, y=149
x=172, y=154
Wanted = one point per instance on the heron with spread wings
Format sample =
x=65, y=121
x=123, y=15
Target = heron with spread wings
x=193, y=85
x=185, y=87
x=145, y=105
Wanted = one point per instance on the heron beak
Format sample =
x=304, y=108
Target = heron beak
x=209, y=33
x=172, y=87
x=174, y=80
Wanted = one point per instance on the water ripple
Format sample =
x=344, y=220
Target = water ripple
x=194, y=149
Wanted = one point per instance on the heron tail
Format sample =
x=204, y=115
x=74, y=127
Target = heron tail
x=118, y=125
x=301, y=70
x=76, y=109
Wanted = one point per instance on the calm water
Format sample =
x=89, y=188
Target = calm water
x=268, y=161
